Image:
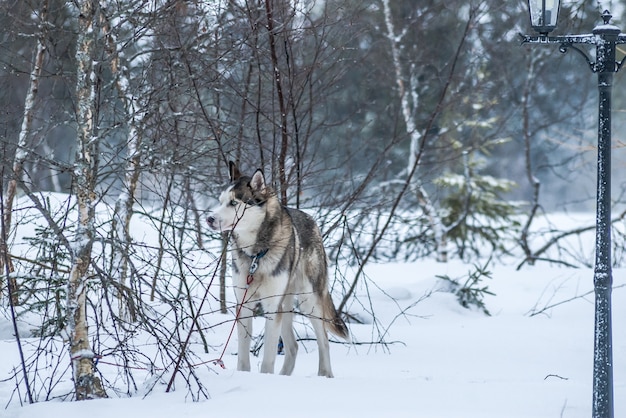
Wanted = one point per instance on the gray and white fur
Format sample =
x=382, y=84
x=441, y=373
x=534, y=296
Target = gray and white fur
x=292, y=266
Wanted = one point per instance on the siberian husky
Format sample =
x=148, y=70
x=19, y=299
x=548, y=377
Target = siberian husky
x=278, y=258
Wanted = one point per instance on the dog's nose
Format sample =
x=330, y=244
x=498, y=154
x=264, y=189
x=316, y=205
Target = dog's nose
x=210, y=220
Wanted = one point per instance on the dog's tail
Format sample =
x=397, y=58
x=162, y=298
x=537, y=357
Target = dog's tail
x=334, y=323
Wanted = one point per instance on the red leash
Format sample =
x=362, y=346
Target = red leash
x=254, y=265
x=249, y=280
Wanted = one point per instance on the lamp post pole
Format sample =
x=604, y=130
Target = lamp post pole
x=602, y=275
x=605, y=37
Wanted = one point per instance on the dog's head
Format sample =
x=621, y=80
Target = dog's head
x=241, y=205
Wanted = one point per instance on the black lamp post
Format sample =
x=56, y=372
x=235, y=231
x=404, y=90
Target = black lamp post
x=605, y=37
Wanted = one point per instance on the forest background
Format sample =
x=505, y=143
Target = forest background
x=410, y=129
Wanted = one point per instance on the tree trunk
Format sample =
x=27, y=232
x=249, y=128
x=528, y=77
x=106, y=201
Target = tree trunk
x=532, y=179
x=282, y=106
x=123, y=212
x=86, y=383
x=409, y=102
x=22, y=151
x=408, y=94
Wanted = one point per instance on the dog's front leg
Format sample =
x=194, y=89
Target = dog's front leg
x=244, y=331
x=244, y=318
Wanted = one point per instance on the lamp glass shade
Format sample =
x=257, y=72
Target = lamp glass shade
x=543, y=15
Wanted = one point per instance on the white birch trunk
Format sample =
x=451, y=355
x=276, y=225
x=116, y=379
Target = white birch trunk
x=124, y=205
x=87, y=385
x=22, y=150
x=409, y=100
x=439, y=231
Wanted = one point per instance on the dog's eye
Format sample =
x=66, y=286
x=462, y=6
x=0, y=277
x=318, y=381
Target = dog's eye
x=234, y=203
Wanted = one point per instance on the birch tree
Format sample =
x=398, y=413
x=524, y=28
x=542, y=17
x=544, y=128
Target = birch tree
x=407, y=89
x=86, y=383
x=24, y=137
x=134, y=116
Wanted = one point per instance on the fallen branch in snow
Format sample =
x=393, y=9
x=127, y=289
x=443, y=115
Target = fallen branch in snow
x=557, y=376
x=368, y=343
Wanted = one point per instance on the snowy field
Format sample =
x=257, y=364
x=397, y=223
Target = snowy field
x=532, y=357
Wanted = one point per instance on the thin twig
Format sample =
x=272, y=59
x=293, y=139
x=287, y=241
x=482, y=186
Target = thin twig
x=548, y=307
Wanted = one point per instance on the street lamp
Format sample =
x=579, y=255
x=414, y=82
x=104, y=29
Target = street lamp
x=604, y=37
x=543, y=15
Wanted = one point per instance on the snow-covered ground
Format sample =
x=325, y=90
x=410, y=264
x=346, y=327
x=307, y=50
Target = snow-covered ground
x=440, y=360
x=417, y=352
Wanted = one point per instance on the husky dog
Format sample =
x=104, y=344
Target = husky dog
x=278, y=257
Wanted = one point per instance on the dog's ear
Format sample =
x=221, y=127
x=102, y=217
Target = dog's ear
x=233, y=171
x=257, y=183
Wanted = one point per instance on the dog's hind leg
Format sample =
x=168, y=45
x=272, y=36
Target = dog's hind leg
x=312, y=306
x=289, y=338
x=323, y=347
